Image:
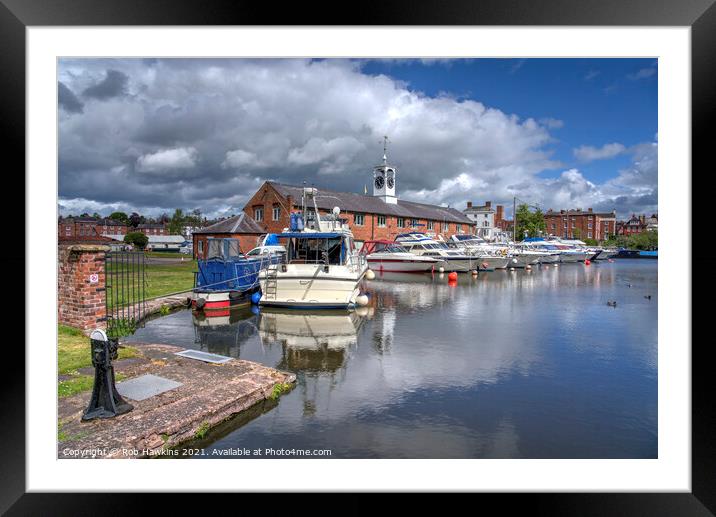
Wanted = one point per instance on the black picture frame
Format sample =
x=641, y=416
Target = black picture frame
x=700, y=15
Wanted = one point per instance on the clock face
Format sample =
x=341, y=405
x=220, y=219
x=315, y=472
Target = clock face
x=379, y=182
x=391, y=182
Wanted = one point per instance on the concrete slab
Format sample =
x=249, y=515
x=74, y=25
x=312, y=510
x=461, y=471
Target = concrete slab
x=145, y=386
x=204, y=356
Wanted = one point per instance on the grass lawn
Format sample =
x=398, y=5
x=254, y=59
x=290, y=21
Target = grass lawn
x=73, y=353
x=169, y=278
x=162, y=279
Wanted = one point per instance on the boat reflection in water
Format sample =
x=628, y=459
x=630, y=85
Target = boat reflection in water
x=311, y=341
x=224, y=335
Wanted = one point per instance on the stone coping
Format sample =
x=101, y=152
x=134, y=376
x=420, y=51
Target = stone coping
x=209, y=395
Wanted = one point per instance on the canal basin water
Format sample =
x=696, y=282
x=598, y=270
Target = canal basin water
x=522, y=364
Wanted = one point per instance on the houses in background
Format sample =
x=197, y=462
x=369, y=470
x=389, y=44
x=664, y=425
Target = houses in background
x=488, y=221
x=107, y=230
x=580, y=224
x=638, y=224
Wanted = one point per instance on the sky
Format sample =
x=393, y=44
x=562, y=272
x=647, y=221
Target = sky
x=153, y=135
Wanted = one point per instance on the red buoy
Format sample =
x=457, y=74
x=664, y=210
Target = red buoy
x=452, y=276
x=587, y=262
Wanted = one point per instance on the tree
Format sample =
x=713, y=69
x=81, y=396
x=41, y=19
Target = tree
x=137, y=239
x=530, y=223
x=644, y=241
x=577, y=233
x=96, y=216
x=177, y=222
x=119, y=216
x=135, y=219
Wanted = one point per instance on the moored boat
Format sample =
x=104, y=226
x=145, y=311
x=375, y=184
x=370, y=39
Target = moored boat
x=227, y=277
x=322, y=268
x=421, y=245
x=383, y=255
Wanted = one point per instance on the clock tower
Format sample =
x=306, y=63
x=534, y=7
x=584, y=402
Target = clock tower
x=384, y=178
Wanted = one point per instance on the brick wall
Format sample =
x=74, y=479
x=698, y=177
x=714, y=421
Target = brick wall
x=80, y=303
x=584, y=225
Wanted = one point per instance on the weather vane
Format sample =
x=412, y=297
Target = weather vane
x=385, y=149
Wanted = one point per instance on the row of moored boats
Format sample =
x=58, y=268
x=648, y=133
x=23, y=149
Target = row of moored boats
x=315, y=263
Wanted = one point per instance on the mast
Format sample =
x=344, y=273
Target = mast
x=514, y=219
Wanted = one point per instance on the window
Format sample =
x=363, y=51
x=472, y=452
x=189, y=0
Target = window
x=414, y=222
x=401, y=222
x=259, y=214
x=589, y=224
x=589, y=235
x=554, y=226
x=565, y=224
x=430, y=225
x=485, y=216
x=276, y=212
x=486, y=223
x=458, y=228
x=381, y=220
x=359, y=219
x=200, y=247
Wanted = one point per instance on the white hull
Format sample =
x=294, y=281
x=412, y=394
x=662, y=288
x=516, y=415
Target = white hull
x=524, y=259
x=489, y=263
x=413, y=264
x=549, y=259
x=309, y=286
x=460, y=265
x=573, y=257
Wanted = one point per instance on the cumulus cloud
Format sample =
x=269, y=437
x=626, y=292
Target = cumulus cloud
x=181, y=158
x=113, y=85
x=588, y=153
x=67, y=99
x=205, y=133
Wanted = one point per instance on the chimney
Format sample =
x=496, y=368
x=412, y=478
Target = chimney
x=289, y=202
x=589, y=209
x=499, y=213
x=488, y=204
x=469, y=204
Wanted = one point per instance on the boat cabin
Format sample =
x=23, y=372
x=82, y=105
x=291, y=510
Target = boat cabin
x=317, y=247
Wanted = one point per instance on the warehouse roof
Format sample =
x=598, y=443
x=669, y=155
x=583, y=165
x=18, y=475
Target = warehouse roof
x=348, y=201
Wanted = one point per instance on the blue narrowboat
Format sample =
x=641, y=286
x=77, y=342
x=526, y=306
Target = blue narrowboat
x=227, y=277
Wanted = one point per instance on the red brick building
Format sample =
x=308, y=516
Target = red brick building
x=152, y=229
x=240, y=227
x=638, y=224
x=73, y=227
x=580, y=224
x=381, y=216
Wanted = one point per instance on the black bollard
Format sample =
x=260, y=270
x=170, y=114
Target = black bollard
x=105, y=402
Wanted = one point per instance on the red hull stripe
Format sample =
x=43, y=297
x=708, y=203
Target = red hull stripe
x=213, y=305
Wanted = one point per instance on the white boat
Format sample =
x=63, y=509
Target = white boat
x=421, y=245
x=489, y=256
x=322, y=269
x=388, y=256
